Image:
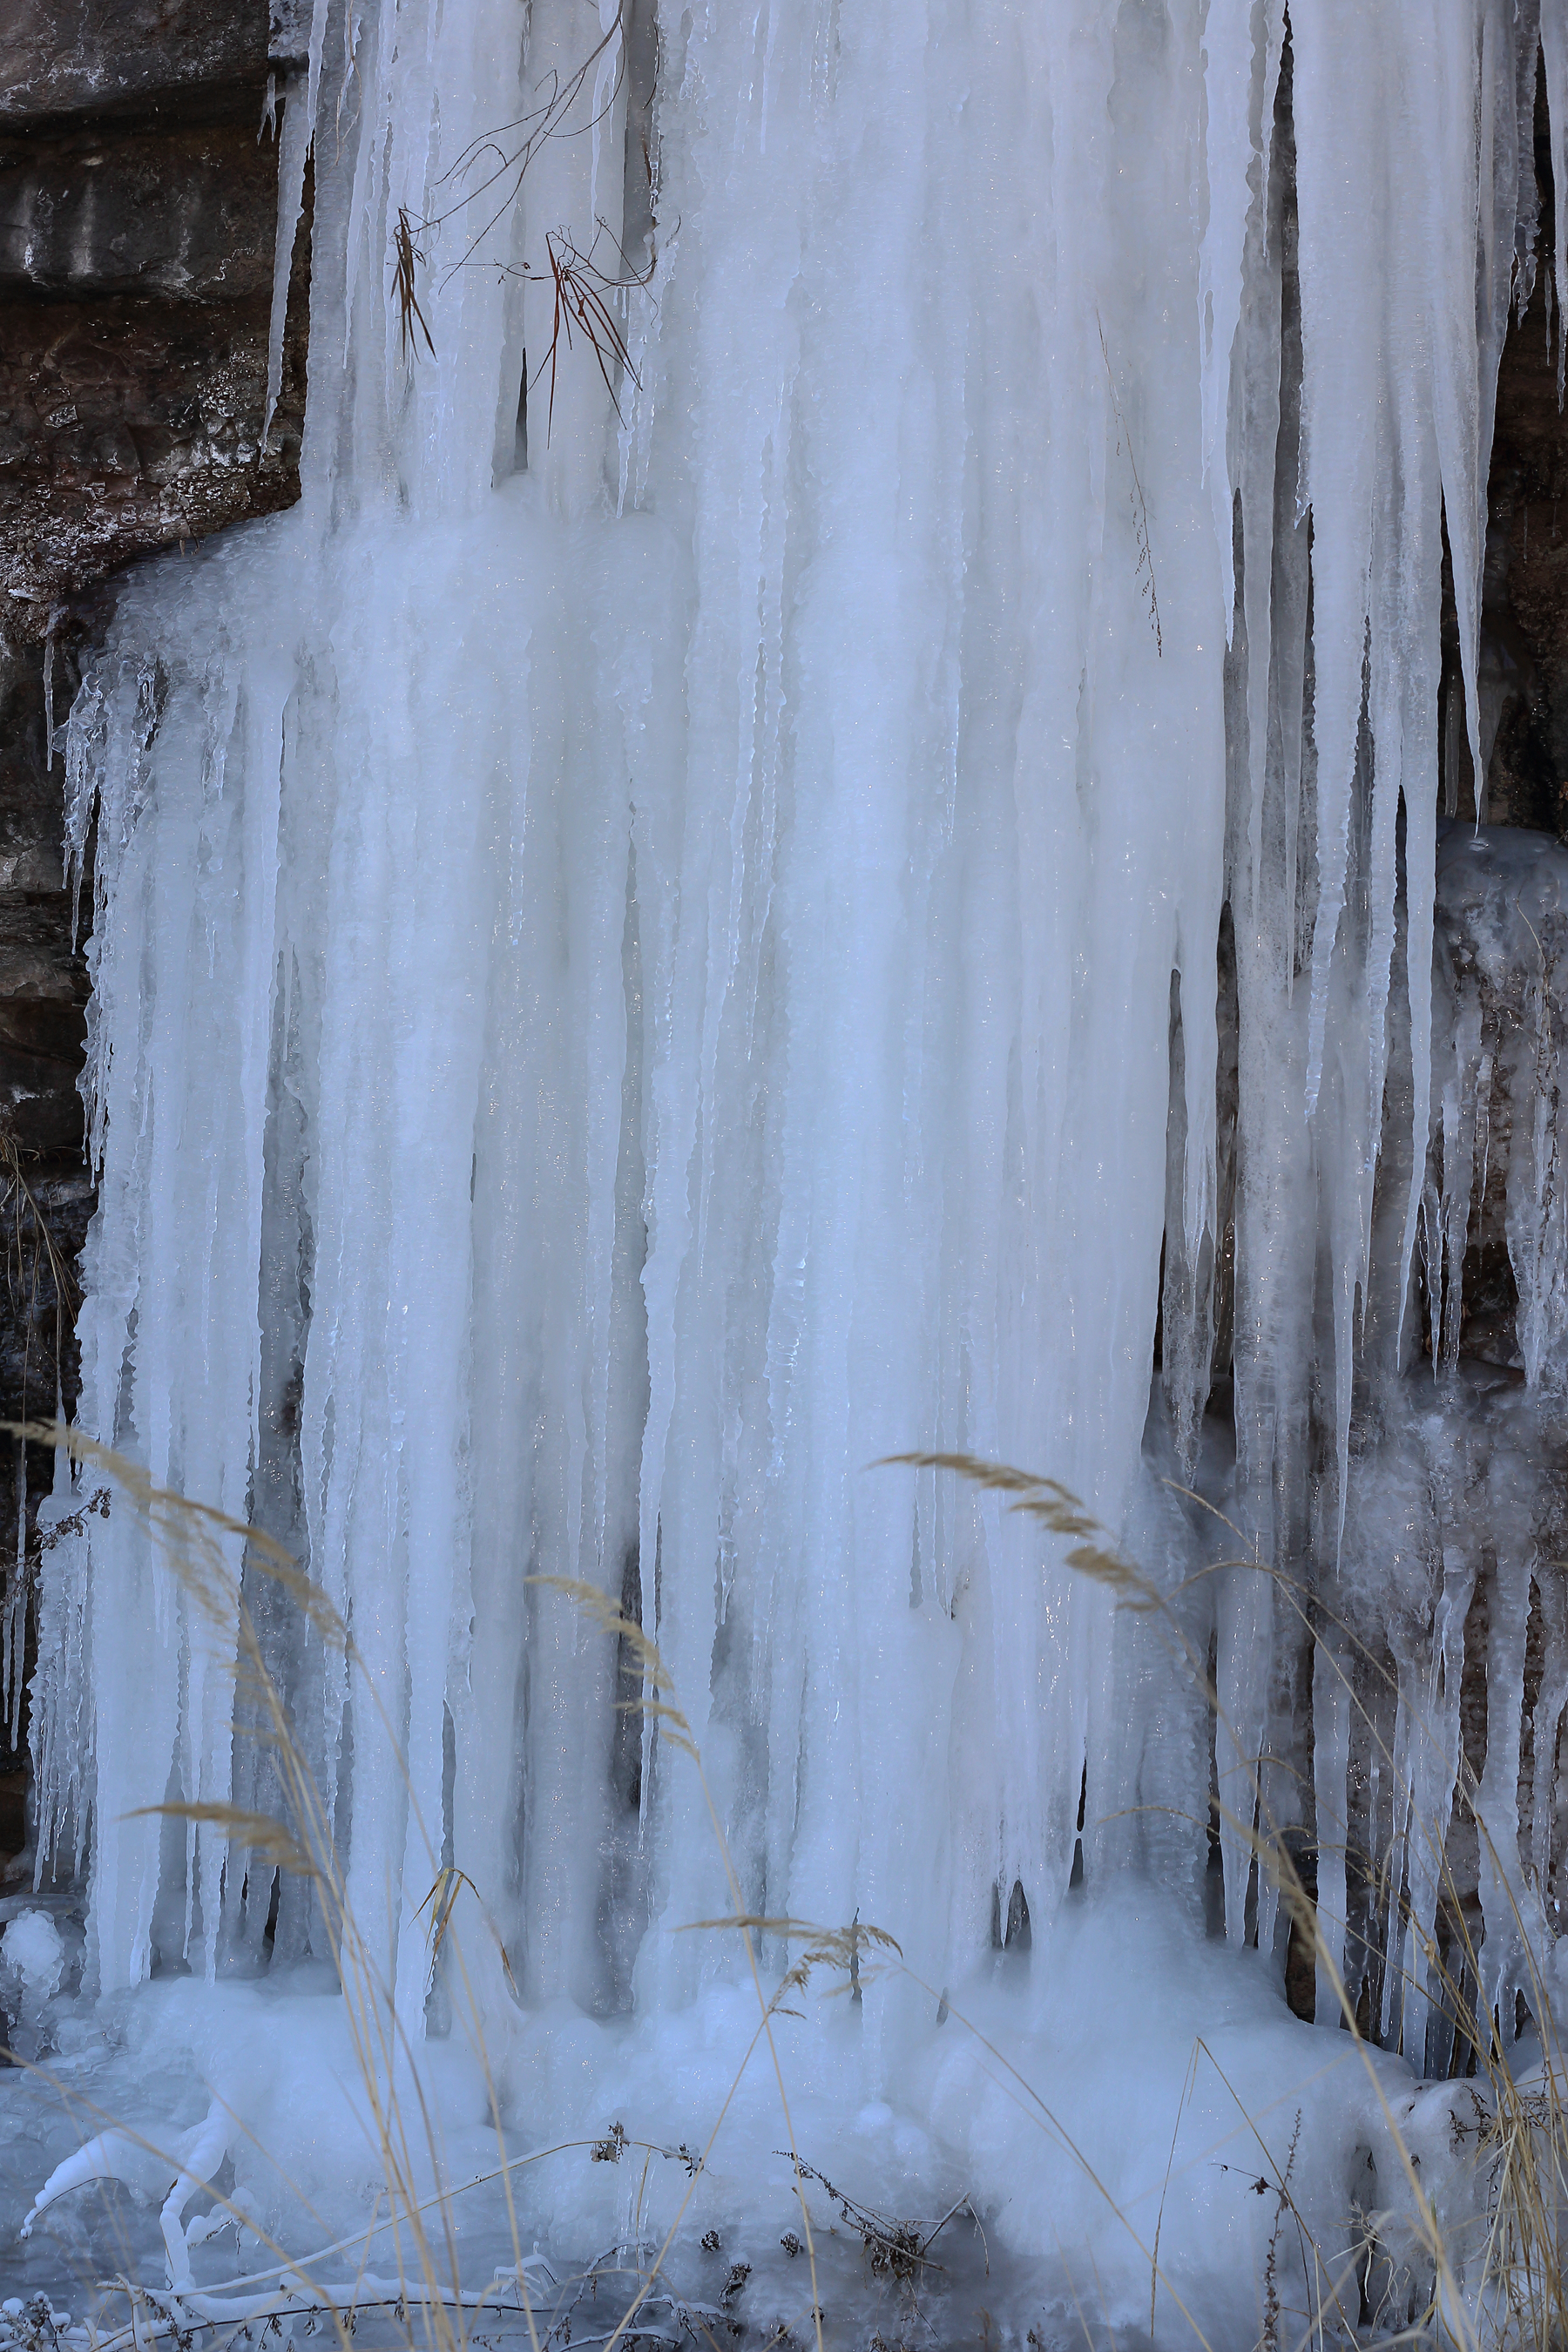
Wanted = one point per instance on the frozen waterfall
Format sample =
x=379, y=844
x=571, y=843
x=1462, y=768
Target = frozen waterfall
x=821, y=834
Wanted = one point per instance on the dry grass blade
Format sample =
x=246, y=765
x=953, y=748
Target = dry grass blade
x=1057, y=1508
x=406, y=257
x=893, y=2249
x=674, y=1727
x=141, y=1488
x=493, y=166
x=582, y=296
x=440, y=1903
x=834, y=1946
x=838, y=1949
x=189, y=1533
x=510, y=148
x=612, y=1621
x=975, y=1467
x=259, y=1832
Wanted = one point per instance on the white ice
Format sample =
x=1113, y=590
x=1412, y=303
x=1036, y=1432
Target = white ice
x=644, y=967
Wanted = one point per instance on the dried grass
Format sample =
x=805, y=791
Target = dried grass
x=1521, y=2283
x=406, y=259
x=488, y=174
x=1519, y=2131
x=1059, y=1510
x=584, y=295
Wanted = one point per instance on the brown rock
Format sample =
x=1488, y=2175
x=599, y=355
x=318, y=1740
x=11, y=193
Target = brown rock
x=120, y=56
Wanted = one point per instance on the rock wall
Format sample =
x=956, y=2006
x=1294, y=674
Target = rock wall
x=138, y=206
x=1524, y=674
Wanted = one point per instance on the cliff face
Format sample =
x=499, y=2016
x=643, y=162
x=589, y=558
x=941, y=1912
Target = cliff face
x=138, y=196
x=138, y=203
x=1523, y=673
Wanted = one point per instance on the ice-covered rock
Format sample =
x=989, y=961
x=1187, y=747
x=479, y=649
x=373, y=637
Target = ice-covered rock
x=33, y=1947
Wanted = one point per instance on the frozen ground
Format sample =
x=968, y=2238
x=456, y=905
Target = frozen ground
x=1134, y=2081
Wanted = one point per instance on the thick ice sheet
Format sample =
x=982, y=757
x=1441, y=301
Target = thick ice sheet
x=644, y=965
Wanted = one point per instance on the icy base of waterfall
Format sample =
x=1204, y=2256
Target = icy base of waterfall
x=1125, y=2078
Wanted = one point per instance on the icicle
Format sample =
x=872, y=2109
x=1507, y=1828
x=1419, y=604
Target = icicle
x=1230, y=145
x=55, y=619
x=1554, y=55
x=1550, y=1700
x=292, y=154
x=14, y=1647
x=1332, y=1705
x=1527, y=224
x=1504, y=1905
x=1435, y=1766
